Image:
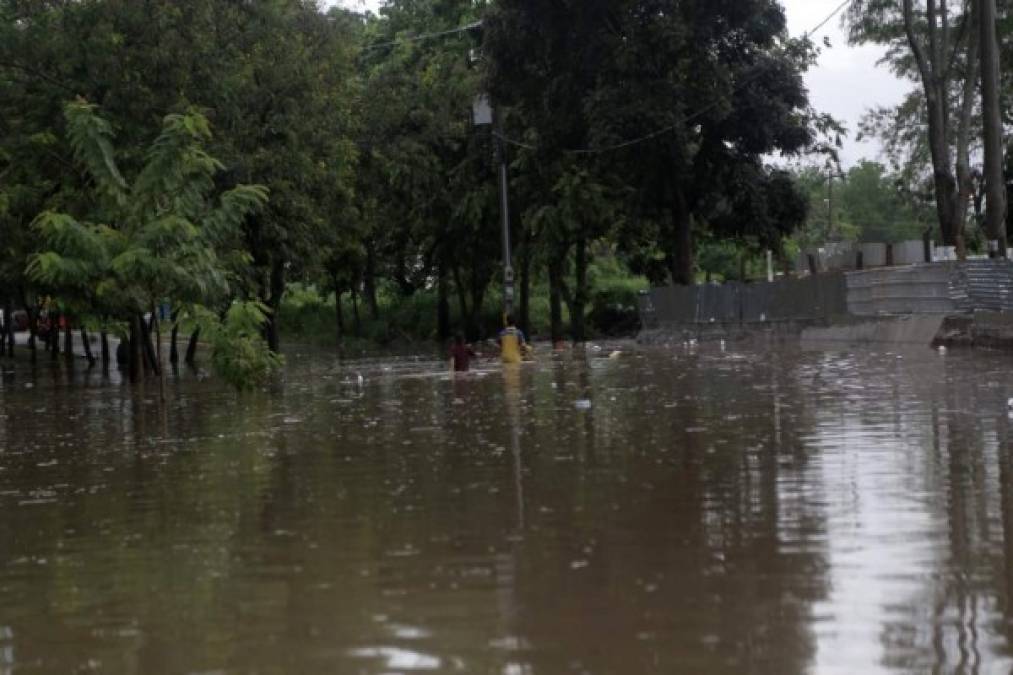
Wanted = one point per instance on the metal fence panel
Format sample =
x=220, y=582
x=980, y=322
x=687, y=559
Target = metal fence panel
x=936, y=288
x=987, y=285
x=918, y=289
x=810, y=298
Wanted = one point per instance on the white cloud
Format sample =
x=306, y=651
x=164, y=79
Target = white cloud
x=847, y=81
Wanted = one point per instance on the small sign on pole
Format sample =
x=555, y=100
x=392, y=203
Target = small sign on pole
x=481, y=111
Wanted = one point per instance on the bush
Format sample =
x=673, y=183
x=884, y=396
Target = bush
x=615, y=306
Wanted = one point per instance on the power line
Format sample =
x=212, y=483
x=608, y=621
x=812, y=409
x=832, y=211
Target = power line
x=425, y=36
x=672, y=127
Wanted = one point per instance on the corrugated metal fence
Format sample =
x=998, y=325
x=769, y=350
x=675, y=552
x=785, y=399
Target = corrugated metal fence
x=989, y=285
x=811, y=298
x=918, y=289
x=936, y=288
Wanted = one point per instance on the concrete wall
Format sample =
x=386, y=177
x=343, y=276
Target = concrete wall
x=873, y=255
x=909, y=252
x=921, y=330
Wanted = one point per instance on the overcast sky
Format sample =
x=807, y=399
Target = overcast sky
x=846, y=82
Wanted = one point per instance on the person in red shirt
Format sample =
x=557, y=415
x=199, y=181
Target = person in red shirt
x=461, y=355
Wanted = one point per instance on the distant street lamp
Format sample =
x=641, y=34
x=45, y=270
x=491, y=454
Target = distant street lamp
x=482, y=115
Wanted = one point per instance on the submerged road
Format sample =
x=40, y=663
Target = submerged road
x=687, y=510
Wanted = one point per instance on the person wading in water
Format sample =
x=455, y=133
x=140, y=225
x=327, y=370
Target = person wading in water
x=512, y=344
x=461, y=355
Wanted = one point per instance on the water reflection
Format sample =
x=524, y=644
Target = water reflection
x=697, y=510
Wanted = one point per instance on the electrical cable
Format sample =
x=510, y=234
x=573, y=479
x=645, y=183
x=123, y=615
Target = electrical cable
x=689, y=118
x=425, y=36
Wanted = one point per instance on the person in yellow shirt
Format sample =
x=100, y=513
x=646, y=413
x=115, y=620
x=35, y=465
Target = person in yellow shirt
x=512, y=344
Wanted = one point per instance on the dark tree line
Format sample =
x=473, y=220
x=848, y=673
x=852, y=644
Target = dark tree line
x=374, y=182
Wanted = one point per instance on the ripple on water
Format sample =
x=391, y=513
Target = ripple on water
x=706, y=509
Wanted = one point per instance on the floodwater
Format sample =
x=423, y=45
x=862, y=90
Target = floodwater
x=688, y=510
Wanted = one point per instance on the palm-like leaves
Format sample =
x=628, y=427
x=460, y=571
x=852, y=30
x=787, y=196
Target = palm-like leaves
x=168, y=228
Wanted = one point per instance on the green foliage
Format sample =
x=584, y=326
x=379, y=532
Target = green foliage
x=165, y=241
x=716, y=107
x=870, y=204
x=872, y=201
x=383, y=195
x=238, y=351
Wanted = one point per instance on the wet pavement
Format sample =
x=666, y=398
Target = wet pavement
x=685, y=510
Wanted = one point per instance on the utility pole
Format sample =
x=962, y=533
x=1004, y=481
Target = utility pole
x=831, y=175
x=504, y=207
x=995, y=188
x=482, y=115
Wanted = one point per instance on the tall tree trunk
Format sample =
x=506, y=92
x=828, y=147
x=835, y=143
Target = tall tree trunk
x=8, y=330
x=524, y=308
x=681, y=255
x=475, y=328
x=191, y=349
x=277, y=290
x=369, y=282
x=33, y=327
x=965, y=180
x=54, y=337
x=150, y=356
x=104, y=337
x=580, y=294
x=134, y=359
x=339, y=314
x=68, y=341
x=934, y=74
x=355, y=312
x=479, y=288
x=556, y=300
x=86, y=344
x=995, y=209
x=462, y=294
x=173, y=340
x=159, y=370
x=442, y=303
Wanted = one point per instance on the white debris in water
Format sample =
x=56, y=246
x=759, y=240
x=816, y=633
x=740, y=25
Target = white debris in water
x=942, y=350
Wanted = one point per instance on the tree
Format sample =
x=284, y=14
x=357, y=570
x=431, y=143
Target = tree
x=678, y=106
x=936, y=45
x=872, y=203
x=161, y=238
x=429, y=189
x=993, y=126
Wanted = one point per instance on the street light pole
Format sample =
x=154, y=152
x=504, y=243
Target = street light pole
x=504, y=207
x=483, y=116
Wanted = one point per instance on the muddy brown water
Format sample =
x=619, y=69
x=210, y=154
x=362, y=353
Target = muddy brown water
x=685, y=510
